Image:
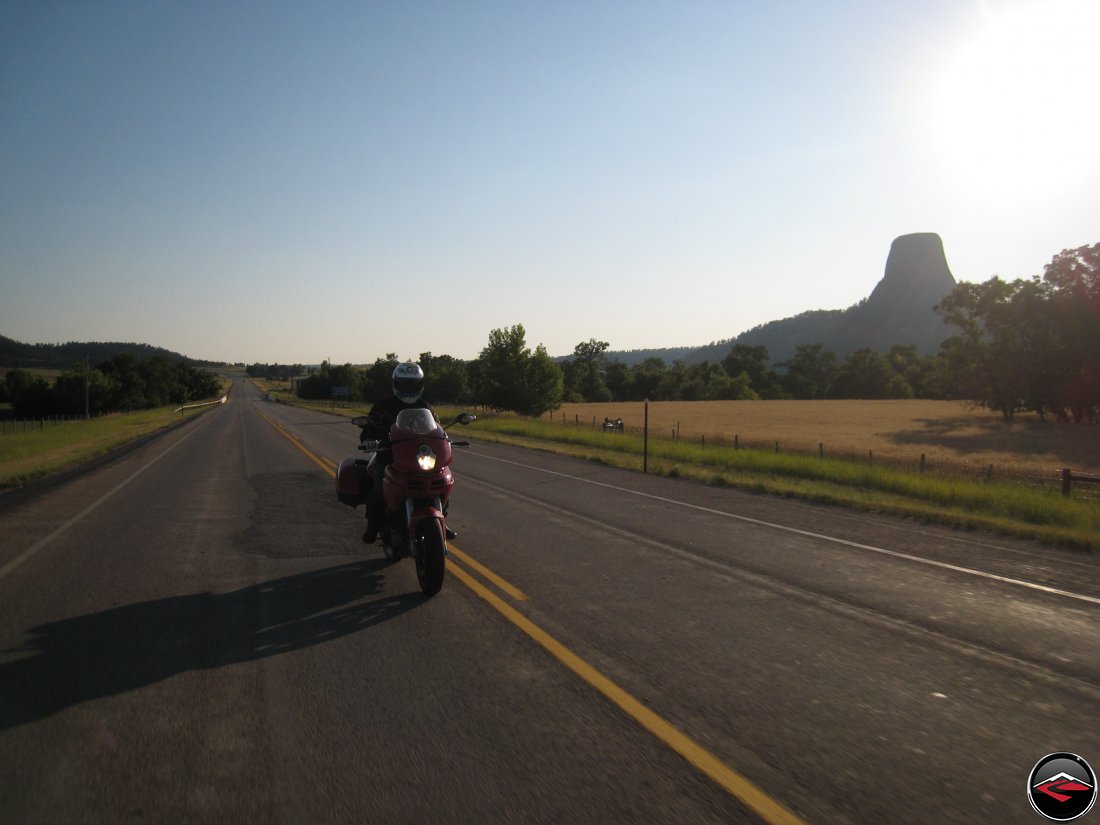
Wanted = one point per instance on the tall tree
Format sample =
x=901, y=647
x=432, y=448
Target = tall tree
x=1073, y=280
x=810, y=373
x=446, y=379
x=514, y=378
x=584, y=374
x=543, y=384
x=1000, y=341
x=753, y=361
x=867, y=375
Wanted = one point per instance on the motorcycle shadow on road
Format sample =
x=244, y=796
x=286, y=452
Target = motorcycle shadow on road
x=125, y=648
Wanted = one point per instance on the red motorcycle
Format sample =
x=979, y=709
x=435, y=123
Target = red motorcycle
x=417, y=486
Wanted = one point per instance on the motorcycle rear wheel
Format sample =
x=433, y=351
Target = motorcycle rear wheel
x=431, y=563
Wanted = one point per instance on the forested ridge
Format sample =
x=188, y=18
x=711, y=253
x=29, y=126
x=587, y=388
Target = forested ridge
x=63, y=356
x=123, y=383
x=1025, y=345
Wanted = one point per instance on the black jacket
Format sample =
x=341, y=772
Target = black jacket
x=383, y=414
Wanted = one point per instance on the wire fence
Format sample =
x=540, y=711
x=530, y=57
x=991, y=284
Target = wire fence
x=324, y=405
x=922, y=464
x=14, y=426
x=1078, y=485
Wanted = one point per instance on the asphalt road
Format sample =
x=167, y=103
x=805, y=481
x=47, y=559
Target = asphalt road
x=196, y=633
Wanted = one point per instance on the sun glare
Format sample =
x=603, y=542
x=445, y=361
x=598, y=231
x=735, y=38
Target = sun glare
x=1014, y=111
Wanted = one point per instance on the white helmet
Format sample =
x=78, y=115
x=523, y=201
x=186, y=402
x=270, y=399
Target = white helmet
x=408, y=382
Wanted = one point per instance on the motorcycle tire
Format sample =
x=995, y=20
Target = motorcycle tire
x=432, y=560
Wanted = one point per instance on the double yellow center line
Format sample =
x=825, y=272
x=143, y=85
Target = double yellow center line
x=768, y=809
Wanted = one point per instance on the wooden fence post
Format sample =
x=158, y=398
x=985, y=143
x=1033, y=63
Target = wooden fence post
x=1067, y=480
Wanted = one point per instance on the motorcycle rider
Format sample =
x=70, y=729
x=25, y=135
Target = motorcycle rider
x=408, y=390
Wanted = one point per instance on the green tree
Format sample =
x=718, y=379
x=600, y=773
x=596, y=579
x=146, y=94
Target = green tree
x=867, y=375
x=30, y=396
x=721, y=386
x=810, y=372
x=503, y=368
x=1002, y=341
x=753, y=362
x=69, y=389
x=543, y=384
x=319, y=384
x=619, y=381
x=907, y=363
x=446, y=379
x=1072, y=279
x=377, y=381
x=674, y=381
x=647, y=378
x=584, y=373
x=514, y=378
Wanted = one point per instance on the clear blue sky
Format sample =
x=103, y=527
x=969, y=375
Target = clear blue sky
x=298, y=181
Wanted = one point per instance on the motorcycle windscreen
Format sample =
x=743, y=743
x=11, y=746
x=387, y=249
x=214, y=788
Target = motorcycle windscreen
x=419, y=421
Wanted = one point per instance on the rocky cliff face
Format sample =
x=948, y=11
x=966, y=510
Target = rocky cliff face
x=900, y=308
x=916, y=275
x=898, y=311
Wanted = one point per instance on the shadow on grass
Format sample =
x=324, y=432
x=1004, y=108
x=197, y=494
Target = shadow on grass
x=1075, y=445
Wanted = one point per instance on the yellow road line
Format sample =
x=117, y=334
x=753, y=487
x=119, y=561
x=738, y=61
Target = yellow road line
x=736, y=785
x=768, y=809
x=298, y=444
x=328, y=466
x=500, y=582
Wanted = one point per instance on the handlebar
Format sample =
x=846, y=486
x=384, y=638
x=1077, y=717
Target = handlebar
x=376, y=446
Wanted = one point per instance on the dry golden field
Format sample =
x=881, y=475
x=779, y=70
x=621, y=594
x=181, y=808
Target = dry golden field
x=949, y=433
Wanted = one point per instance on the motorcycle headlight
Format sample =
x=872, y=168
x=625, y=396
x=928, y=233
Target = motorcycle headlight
x=426, y=458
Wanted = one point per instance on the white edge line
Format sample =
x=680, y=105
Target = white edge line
x=894, y=553
x=42, y=543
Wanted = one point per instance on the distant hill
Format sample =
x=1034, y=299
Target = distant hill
x=63, y=356
x=637, y=356
x=898, y=311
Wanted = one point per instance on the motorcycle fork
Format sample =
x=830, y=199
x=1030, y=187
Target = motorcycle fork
x=416, y=510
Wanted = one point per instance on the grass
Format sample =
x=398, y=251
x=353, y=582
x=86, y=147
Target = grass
x=959, y=499
x=1001, y=506
x=30, y=455
x=953, y=435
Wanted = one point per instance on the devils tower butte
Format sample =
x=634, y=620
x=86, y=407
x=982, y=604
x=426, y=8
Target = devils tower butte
x=900, y=309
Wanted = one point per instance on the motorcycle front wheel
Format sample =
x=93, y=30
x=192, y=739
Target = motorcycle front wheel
x=432, y=560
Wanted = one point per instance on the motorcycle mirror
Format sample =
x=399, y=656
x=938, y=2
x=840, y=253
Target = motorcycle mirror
x=466, y=418
x=359, y=421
